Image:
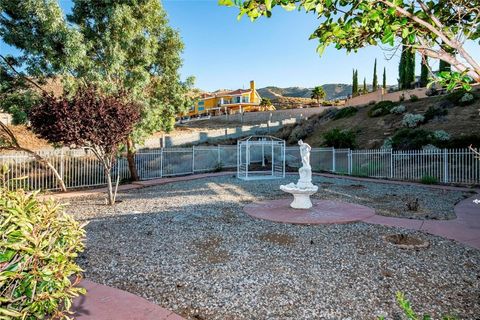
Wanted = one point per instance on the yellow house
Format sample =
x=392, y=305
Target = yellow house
x=223, y=102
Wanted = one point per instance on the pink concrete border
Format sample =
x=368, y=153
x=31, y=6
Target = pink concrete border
x=107, y=303
x=322, y=212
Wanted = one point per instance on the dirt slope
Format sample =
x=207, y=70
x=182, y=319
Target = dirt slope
x=371, y=132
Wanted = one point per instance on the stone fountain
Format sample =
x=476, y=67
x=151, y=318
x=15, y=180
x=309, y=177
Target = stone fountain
x=304, y=188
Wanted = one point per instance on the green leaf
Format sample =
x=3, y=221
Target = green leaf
x=268, y=4
x=321, y=48
x=227, y=3
x=289, y=6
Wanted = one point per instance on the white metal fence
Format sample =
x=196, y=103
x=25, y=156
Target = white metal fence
x=79, y=168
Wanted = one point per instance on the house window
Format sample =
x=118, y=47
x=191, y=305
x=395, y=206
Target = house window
x=201, y=105
x=246, y=99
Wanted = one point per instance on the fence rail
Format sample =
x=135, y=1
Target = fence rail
x=80, y=168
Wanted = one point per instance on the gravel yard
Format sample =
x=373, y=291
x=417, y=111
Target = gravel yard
x=189, y=247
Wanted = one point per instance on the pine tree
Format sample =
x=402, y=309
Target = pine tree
x=424, y=72
x=375, y=80
x=384, y=78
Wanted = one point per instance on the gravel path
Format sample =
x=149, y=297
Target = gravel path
x=190, y=248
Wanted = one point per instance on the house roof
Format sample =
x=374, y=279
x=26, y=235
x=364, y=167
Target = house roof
x=223, y=93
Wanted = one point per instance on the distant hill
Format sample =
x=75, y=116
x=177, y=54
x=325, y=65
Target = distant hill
x=333, y=90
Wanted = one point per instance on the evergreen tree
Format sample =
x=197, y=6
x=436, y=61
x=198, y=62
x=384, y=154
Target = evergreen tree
x=424, y=72
x=406, y=69
x=355, y=83
x=365, y=85
x=375, y=80
x=384, y=78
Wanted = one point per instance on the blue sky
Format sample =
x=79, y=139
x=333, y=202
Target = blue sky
x=222, y=52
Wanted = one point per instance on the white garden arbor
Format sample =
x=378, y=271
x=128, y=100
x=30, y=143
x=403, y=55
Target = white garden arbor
x=260, y=157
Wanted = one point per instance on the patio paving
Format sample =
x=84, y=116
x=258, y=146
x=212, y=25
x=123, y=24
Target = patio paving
x=107, y=303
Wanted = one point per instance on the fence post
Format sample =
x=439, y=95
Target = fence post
x=333, y=159
x=161, y=162
x=445, y=166
x=193, y=159
x=391, y=163
x=62, y=169
x=349, y=161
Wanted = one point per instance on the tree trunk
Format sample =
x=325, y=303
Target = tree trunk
x=108, y=175
x=49, y=165
x=131, y=160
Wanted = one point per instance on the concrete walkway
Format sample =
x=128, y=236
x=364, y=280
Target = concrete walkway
x=106, y=303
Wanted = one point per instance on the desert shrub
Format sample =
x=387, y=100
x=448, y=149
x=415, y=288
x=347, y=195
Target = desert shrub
x=414, y=98
x=387, y=144
x=411, y=120
x=435, y=112
x=345, y=113
x=340, y=138
x=428, y=180
x=398, y=109
x=410, y=139
x=441, y=135
x=38, y=246
x=467, y=99
x=461, y=98
x=381, y=108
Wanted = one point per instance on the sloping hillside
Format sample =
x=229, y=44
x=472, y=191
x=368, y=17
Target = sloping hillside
x=461, y=123
x=334, y=91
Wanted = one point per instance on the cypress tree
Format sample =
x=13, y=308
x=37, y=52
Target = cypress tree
x=401, y=70
x=424, y=72
x=355, y=83
x=365, y=85
x=406, y=69
x=445, y=66
x=375, y=80
x=384, y=78
x=410, y=73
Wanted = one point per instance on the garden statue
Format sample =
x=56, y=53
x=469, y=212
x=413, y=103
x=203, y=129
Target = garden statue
x=304, y=188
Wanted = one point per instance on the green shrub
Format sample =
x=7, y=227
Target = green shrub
x=435, y=111
x=382, y=108
x=414, y=98
x=408, y=311
x=340, y=138
x=345, y=113
x=461, y=98
x=38, y=246
x=428, y=180
x=463, y=141
x=411, y=139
